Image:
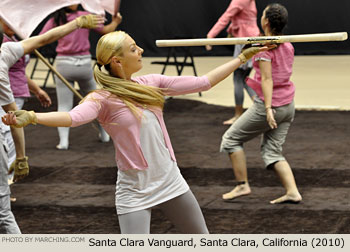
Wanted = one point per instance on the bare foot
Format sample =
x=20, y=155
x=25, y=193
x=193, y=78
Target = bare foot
x=288, y=198
x=231, y=120
x=238, y=191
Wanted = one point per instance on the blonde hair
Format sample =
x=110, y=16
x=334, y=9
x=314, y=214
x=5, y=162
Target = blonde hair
x=131, y=93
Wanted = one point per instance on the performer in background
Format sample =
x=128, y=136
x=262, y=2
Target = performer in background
x=21, y=86
x=73, y=62
x=271, y=114
x=241, y=14
x=9, y=54
x=131, y=111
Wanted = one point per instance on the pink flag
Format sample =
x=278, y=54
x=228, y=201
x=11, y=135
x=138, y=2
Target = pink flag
x=111, y=6
x=93, y=6
x=24, y=16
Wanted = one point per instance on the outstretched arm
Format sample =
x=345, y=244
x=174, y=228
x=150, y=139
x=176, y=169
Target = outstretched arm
x=22, y=118
x=81, y=114
x=88, y=21
x=223, y=71
x=179, y=85
x=54, y=119
x=233, y=9
x=222, y=22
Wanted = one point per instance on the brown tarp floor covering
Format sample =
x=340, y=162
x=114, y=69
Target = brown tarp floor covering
x=73, y=191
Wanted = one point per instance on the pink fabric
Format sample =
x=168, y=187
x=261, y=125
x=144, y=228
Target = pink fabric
x=123, y=127
x=75, y=43
x=242, y=15
x=17, y=75
x=23, y=16
x=282, y=60
x=111, y=6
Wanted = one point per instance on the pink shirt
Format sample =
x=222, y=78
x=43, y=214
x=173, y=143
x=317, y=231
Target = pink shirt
x=242, y=15
x=17, y=75
x=123, y=127
x=282, y=60
x=75, y=43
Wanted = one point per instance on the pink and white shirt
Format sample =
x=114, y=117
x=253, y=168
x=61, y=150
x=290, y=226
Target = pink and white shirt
x=241, y=14
x=281, y=59
x=123, y=127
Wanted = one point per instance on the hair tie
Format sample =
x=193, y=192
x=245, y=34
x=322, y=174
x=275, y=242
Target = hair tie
x=108, y=67
x=99, y=65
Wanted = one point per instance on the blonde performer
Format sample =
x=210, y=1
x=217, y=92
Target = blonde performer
x=130, y=110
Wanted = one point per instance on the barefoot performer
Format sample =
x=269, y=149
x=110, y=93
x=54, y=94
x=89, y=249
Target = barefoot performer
x=9, y=53
x=130, y=110
x=271, y=114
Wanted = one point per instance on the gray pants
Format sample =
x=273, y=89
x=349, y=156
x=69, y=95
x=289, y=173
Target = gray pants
x=253, y=123
x=183, y=211
x=8, y=223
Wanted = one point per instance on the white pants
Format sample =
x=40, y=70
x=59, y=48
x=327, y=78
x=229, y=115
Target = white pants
x=72, y=68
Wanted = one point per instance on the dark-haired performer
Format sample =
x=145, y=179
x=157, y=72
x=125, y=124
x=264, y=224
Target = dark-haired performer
x=73, y=62
x=271, y=114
